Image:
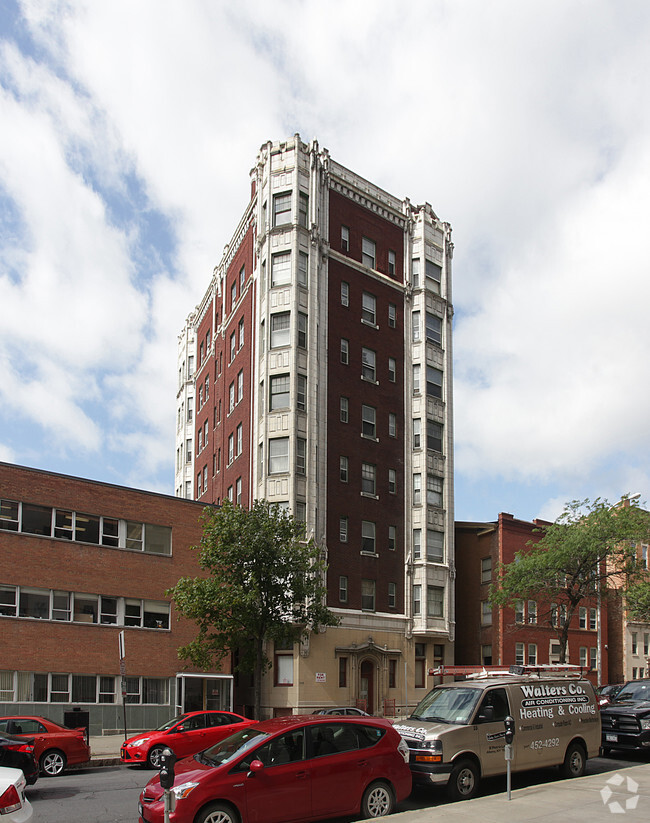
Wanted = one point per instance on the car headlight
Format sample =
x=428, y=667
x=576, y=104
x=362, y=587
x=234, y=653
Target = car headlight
x=134, y=744
x=645, y=724
x=429, y=751
x=183, y=790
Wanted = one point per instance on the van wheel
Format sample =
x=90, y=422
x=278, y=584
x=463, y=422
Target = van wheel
x=575, y=761
x=463, y=781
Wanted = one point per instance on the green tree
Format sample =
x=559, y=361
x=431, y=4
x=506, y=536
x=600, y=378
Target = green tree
x=589, y=550
x=638, y=600
x=264, y=582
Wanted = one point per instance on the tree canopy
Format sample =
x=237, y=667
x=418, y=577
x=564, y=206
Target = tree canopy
x=589, y=550
x=264, y=582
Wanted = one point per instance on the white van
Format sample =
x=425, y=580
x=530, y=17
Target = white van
x=456, y=735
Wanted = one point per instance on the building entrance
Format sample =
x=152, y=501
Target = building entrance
x=197, y=692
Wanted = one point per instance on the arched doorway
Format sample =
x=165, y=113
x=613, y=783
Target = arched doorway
x=367, y=684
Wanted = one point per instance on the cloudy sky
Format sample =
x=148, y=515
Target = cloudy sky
x=127, y=131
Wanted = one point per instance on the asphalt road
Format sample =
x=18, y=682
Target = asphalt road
x=110, y=795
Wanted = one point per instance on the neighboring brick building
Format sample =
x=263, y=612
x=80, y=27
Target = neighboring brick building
x=316, y=373
x=80, y=562
x=504, y=636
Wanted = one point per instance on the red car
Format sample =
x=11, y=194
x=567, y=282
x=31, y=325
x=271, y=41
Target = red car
x=55, y=746
x=184, y=735
x=287, y=770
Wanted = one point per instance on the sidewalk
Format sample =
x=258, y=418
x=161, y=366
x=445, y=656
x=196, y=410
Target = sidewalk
x=596, y=798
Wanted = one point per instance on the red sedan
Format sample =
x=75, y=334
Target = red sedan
x=289, y=770
x=184, y=735
x=55, y=746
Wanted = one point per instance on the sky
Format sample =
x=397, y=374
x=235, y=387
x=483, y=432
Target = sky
x=127, y=132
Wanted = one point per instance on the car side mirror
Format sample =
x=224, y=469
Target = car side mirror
x=256, y=766
x=180, y=728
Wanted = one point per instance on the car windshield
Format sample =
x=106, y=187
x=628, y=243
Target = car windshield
x=447, y=705
x=170, y=723
x=634, y=691
x=232, y=746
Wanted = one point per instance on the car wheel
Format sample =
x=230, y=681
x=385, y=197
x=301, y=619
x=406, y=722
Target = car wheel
x=217, y=813
x=378, y=800
x=154, y=758
x=463, y=781
x=52, y=763
x=575, y=761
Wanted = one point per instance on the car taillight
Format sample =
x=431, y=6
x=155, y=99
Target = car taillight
x=10, y=801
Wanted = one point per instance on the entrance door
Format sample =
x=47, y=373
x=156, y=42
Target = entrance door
x=193, y=697
x=367, y=685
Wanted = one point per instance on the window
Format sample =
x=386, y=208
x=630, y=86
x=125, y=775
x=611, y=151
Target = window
x=240, y=329
x=344, y=404
x=415, y=272
x=432, y=271
x=345, y=351
x=417, y=489
x=392, y=481
x=343, y=671
x=434, y=436
x=435, y=601
x=368, y=537
x=368, y=595
x=242, y=280
x=233, y=295
x=368, y=364
x=486, y=570
x=280, y=330
x=593, y=660
x=231, y=448
x=415, y=327
x=434, y=329
x=416, y=378
x=36, y=519
x=303, y=209
x=368, y=476
x=532, y=611
x=343, y=529
x=369, y=308
x=520, y=651
x=343, y=588
x=392, y=424
x=392, y=369
x=302, y=330
x=392, y=315
x=301, y=456
x=583, y=656
x=283, y=664
x=238, y=491
x=301, y=393
x=434, y=382
x=368, y=252
x=435, y=545
x=345, y=293
x=434, y=490
x=635, y=649
x=34, y=603
x=392, y=595
x=392, y=673
x=391, y=263
x=392, y=537
x=593, y=619
x=532, y=654
x=281, y=269
x=9, y=515
x=417, y=433
x=368, y=421
x=282, y=209
x=417, y=544
x=233, y=347
x=303, y=268
x=519, y=611
x=279, y=455
x=343, y=469
x=345, y=238
x=486, y=613
x=280, y=392
x=231, y=397
x=240, y=439
x=417, y=599
x=420, y=665
x=240, y=386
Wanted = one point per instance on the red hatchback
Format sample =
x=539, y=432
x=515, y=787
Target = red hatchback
x=287, y=770
x=184, y=735
x=55, y=746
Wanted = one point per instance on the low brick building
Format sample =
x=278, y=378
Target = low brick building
x=82, y=563
x=506, y=636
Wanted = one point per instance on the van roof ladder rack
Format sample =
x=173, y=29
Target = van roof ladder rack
x=543, y=670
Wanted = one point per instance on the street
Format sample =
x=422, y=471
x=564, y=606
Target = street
x=110, y=795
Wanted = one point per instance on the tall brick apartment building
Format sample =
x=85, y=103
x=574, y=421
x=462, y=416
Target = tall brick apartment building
x=315, y=372
x=506, y=636
x=80, y=563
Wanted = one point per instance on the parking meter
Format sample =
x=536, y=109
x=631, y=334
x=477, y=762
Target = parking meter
x=510, y=729
x=509, y=723
x=167, y=775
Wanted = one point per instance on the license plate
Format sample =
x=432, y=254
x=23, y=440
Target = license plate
x=611, y=738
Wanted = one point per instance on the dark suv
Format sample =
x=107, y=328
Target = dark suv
x=626, y=720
